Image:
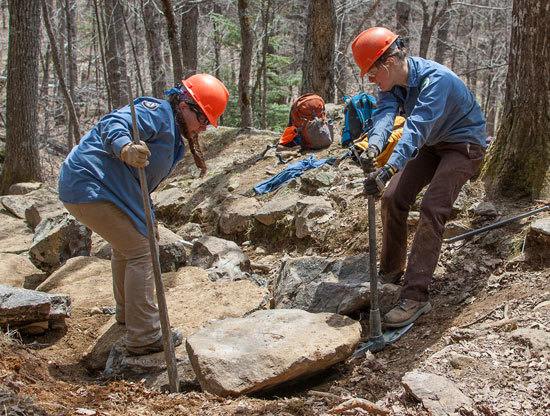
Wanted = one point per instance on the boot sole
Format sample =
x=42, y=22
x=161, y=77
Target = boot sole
x=424, y=309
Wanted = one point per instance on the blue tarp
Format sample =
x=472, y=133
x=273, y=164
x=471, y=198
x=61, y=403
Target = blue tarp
x=291, y=171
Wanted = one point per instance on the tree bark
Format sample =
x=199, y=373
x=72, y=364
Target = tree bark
x=246, y=63
x=58, y=68
x=22, y=163
x=189, y=37
x=402, y=13
x=115, y=48
x=318, y=64
x=518, y=162
x=70, y=23
x=173, y=39
x=429, y=21
x=151, y=21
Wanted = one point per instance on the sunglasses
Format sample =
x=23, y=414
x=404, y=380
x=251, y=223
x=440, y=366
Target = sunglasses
x=201, y=117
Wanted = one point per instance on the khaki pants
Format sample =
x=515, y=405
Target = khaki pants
x=445, y=167
x=133, y=280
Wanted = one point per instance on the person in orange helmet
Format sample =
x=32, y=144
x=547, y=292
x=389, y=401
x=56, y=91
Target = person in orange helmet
x=442, y=146
x=99, y=185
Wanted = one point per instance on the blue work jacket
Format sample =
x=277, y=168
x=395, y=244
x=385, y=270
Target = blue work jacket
x=438, y=107
x=94, y=172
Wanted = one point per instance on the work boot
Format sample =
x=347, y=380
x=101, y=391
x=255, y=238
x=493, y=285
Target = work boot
x=406, y=311
x=392, y=277
x=156, y=346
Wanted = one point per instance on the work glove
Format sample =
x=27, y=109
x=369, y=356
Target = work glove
x=368, y=158
x=376, y=181
x=135, y=154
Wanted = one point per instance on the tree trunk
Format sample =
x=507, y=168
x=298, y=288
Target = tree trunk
x=402, y=13
x=173, y=38
x=70, y=20
x=442, y=35
x=151, y=21
x=246, y=63
x=429, y=21
x=518, y=162
x=189, y=37
x=115, y=48
x=22, y=163
x=318, y=64
x=58, y=68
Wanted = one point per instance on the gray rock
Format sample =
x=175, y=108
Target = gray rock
x=222, y=259
x=237, y=215
x=413, y=218
x=537, y=339
x=190, y=231
x=244, y=355
x=317, y=284
x=20, y=306
x=18, y=204
x=454, y=228
x=57, y=239
x=311, y=213
x=538, y=240
x=24, y=188
x=484, y=209
x=316, y=181
x=41, y=210
x=276, y=209
x=172, y=253
x=439, y=395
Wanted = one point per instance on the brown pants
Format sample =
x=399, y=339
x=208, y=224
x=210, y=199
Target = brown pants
x=445, y=167
x=133, y=280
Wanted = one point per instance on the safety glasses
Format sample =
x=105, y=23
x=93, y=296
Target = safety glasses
x=201, y=117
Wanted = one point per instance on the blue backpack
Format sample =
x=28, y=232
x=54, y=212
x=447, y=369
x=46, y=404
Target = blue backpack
x=358, y=114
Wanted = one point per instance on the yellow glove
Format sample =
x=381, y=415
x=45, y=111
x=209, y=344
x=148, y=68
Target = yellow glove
x=135, y=154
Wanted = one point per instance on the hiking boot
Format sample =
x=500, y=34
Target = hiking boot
x=156, y=346
x=392, y=277
x=406, y=311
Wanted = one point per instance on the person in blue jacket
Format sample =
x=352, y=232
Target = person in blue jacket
x=99, y=185
x=443, y=145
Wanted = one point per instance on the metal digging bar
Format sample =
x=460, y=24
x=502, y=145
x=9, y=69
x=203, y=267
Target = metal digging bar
x=169, y=354
x=496, y=225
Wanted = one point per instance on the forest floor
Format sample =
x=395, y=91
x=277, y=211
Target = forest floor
x=483, y=289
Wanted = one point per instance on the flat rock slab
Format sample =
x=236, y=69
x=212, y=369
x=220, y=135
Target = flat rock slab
x=243, y=355
x=16, y=269
x=439, y=395
x=20, y=306
x=15, y=235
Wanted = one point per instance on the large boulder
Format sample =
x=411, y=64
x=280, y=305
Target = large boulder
x=57, y=239
x=18, y=204
x=237, y=215
x=312, y=213
x=262, y=350
x=17, y=270
x=15, y=234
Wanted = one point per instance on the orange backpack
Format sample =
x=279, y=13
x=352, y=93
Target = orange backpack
x=308, y=125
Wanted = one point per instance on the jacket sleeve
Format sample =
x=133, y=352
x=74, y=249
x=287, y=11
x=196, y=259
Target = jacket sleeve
x=425, y=115
x=116, y=129
x=383, y=118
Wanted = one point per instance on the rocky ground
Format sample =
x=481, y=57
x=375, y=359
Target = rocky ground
x=483, y=350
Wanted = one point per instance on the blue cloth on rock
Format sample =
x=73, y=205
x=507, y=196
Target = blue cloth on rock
x=291, y=171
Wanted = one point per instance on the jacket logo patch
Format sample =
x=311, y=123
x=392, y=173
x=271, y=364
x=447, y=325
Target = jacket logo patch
x=150, y=105
x=425, y=83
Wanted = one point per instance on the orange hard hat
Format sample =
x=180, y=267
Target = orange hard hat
x=370, y=45
x=209, y=93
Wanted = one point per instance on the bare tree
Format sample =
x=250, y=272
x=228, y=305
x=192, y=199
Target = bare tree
x=70, y=23
x=402, y=13
x=73, y=119
x=189, y=37
x=173, y=38
x=151, y=20
x=429, y=22
x=518, y=162
x=247, y=40
x=115, y=48
x=22, y=163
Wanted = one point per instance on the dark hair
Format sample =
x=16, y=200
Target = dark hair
x=397, y=49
